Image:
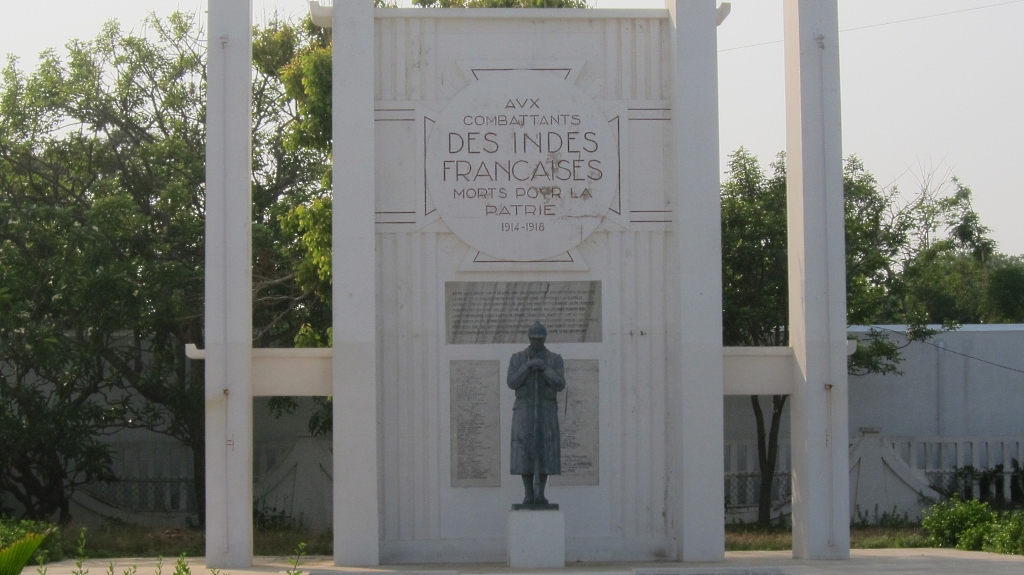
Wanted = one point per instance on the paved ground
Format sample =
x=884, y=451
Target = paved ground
x=882, y=561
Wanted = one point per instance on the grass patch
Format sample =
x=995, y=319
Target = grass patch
x=123, y=540
x=283, y=543
x=888, y=537
x=115, y=540
x=745, y=537
x=753, y=538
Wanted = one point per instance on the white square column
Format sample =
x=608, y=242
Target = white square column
x=228, y=336
x=695, y=439
x=817, y=281
x=356, y=537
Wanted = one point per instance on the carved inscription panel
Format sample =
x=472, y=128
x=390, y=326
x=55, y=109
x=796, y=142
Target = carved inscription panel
x=578, y=423
x=475, y=423
x=521, y=165
x=502, y=312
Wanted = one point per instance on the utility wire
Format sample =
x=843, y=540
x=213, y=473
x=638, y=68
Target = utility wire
x=925, y=17
x=947, y=350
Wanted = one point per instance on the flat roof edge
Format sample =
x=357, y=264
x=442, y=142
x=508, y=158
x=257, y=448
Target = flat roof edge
x=321, y=13
x=972, y=327
x=524, y=13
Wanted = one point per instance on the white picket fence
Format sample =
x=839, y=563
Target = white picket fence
x=157, y=476
x=986, y=468
x=983, y=468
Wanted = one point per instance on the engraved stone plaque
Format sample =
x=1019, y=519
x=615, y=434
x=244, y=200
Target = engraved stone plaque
x=579, y=425
x=475, y=430
x=502, y=312
x=522, y=166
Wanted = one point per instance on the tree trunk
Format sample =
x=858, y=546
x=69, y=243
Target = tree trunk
x=197, y=441
x=767, y=454
x=199, y=478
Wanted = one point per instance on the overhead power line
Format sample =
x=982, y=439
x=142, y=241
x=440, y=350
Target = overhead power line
x=947, y=350
x=913, y=19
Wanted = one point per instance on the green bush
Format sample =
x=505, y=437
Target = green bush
x=973, y=538
x=12, y=530
x=1007, y=534
x=946, y=522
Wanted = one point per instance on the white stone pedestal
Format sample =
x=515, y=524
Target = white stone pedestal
x=536, y=539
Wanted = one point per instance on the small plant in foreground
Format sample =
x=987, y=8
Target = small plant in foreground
x=80, y=555
x=181, y=567
x=51, y=548
x=159, y=564
x=14, y=557
x=300, y=551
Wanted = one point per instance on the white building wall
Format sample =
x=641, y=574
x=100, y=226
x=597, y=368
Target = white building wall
x=421, y=62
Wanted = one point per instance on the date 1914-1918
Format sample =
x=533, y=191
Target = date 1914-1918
x=522, y=227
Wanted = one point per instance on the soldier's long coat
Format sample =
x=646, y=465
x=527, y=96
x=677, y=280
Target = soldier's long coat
x=551, y=381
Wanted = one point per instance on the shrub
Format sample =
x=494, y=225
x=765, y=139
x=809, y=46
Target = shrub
x=52, y=548
x=1007, y=534
x=973, y=538
x=946, y=522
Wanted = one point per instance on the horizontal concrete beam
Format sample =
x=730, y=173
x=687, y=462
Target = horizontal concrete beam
x=307, y=371
x=762, y=370
x=286, y=371
x=756, y=370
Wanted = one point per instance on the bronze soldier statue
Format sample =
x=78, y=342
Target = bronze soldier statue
x=537, y=375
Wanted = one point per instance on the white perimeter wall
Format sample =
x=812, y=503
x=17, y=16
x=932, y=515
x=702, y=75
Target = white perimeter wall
x=941, y=392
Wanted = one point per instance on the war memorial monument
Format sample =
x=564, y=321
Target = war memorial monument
x=494, y=168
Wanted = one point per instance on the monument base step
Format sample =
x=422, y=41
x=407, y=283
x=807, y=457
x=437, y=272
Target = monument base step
x=534, y=507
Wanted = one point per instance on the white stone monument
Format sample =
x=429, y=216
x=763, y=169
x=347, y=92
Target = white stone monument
x=496, y=167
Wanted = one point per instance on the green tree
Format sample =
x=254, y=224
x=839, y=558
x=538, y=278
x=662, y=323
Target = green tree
x=501, y=3
x=926, y=261
x=755, y=296
x=1006, y=290
x=755, y=280
x=102, y=167
x=953, y=274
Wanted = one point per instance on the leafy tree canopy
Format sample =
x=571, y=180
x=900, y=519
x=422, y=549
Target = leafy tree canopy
x=501, y=3
x=102, y=167
x=926, y=261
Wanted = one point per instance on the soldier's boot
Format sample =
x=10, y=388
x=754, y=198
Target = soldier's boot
x=528, y=487
x=542, y=480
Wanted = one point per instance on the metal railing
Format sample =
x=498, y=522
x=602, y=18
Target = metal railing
x=146, y=495
x=742, y=489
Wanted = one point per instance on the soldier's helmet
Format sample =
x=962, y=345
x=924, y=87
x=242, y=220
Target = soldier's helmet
x=538, y=330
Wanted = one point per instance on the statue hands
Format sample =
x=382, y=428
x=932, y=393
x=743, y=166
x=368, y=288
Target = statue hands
x=536, y=364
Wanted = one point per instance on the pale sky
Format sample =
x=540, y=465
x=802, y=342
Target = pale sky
x=928, y=86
